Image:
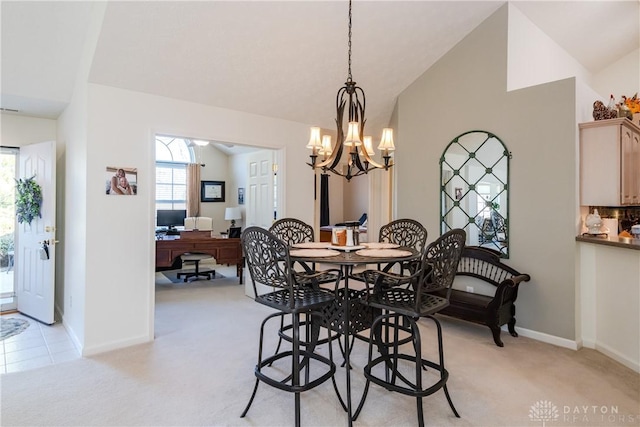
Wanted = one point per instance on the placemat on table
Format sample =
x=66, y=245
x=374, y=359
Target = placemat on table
x=384, y=253
x=381, y=245
x=313, y=252
x=312, y=245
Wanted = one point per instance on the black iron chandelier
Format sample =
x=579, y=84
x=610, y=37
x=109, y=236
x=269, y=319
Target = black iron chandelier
x=360, y=147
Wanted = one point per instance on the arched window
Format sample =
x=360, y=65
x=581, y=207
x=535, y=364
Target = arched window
x=172, y=156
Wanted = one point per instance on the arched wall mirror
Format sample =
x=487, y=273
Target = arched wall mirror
x=474, y=192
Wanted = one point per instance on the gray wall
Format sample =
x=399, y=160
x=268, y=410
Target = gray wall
x=466, y=90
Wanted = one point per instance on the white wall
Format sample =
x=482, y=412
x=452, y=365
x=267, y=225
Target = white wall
x=356, y=197
x=534, y=58
x=619, y=78
x=72, y=231
x=467, y=90
x=18, y=131
x=120, y=231
x=610, y=296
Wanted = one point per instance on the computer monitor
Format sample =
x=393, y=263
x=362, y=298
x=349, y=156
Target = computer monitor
x=171, y=218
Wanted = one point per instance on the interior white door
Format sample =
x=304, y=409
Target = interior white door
x=34, y=268
x=259, y=200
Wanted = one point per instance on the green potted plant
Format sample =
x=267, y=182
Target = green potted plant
x=28, y=200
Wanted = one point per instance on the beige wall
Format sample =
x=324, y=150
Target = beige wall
x=216, y=168
x=356, y=197
x=18, y=131
x=466, y=90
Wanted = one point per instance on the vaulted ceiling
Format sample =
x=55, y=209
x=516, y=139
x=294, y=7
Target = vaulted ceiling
x=279, y=59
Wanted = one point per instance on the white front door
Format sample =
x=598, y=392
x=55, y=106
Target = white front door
x=35, y=267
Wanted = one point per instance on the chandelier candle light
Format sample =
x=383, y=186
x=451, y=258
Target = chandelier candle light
x=360, y=147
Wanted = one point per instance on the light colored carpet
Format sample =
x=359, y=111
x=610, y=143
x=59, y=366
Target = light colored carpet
x=199, y=372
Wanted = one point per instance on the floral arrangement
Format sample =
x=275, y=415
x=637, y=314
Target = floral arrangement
x=633, y=103
x=627, y=107
x=28, y=200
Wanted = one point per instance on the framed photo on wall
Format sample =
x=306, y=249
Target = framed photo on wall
x=241, y=196
x=212, y=191
x=458, y=193
x=121, y=181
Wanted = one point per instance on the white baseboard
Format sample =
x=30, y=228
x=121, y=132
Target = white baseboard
x=116, y=345
x=73, y=336
x=550, y=339
x=620, y=358
x=575, y=345
x=90, y=351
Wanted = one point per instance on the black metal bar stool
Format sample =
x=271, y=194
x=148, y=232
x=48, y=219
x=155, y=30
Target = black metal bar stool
x=293, y=231
x=409, y=300
x=269, y=264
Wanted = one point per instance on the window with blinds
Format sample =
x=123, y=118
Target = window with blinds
x=172, y=156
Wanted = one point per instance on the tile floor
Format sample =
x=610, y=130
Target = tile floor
x=39, y=345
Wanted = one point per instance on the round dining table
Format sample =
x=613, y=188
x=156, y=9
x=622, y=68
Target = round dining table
x=384, y=255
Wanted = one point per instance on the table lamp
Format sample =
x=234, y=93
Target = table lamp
x=231, y=214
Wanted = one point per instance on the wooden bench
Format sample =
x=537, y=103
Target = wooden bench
x=485, y=264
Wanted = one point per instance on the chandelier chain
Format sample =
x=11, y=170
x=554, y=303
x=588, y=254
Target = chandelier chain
x=350, y=104
x=349, y=78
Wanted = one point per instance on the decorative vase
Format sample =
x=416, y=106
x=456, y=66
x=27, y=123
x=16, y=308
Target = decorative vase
x=593, y=222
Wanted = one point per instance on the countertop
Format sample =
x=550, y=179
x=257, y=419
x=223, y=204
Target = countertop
x=620, y=242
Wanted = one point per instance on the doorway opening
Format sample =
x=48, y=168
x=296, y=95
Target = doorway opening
x=250, y=176
x=8, y=174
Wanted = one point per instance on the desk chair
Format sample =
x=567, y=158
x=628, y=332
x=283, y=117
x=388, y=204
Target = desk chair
x=195, y=259
x=198, y=223
x=202, y=223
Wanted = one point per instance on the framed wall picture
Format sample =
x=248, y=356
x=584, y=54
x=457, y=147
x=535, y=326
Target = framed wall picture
x=241, y=196
x=212, y=191
x=121, y=181
x=458, y=193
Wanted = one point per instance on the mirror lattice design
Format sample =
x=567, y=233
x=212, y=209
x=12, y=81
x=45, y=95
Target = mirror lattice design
x=474, y=192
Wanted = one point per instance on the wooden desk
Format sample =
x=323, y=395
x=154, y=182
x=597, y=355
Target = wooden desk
x=225, y=251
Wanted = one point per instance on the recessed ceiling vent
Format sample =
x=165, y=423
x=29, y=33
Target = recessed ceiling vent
x=9, y=110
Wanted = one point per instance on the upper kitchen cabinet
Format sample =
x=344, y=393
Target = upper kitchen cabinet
x=609, y=163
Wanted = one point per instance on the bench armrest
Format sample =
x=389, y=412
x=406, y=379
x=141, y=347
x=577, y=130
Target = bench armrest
x=508, y=290
x=515, y=280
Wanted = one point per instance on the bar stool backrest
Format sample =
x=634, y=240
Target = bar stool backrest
x=268, y=260
x=292, y=231
x=404, y=232
x=440, y=262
